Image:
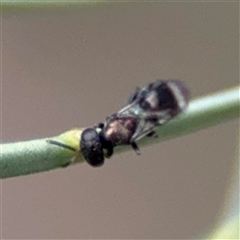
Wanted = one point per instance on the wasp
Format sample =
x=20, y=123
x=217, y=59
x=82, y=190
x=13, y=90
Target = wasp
x=147, y=108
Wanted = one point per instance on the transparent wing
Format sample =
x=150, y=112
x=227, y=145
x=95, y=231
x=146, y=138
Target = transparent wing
x=155, y=104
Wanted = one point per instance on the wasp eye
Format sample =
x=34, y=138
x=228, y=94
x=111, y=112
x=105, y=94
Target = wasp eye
x=89, y=134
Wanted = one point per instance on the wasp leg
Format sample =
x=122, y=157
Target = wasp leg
x=135, y=148
x=65, y=165
x=152, y=134
x=107, y=145
x=109, y=152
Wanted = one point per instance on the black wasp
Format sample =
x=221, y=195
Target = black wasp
x=147, y=108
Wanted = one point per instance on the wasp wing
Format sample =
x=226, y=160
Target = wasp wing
x=156, y=104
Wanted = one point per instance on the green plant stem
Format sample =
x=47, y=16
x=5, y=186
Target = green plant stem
x=39, y=155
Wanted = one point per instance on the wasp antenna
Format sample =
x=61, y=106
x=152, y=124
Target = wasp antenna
x=59, y=144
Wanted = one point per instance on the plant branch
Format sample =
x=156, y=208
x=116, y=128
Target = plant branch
x=40, y=155
x=45, y=154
